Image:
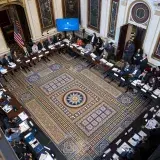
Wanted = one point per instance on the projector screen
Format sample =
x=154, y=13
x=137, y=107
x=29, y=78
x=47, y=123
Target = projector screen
x=67, y=24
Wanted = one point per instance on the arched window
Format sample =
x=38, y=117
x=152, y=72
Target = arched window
x=94, y=14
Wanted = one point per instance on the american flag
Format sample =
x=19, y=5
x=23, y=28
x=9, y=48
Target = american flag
x=17, y=34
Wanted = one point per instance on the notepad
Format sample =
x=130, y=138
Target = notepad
x=23, y=116
x=34, y=58
x=123, y=147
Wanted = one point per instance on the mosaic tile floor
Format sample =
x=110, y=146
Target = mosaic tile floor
x=79, y=110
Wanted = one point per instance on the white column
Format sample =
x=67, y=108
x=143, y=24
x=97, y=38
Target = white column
x=104, y=21
x=84, y=18
x=58, y=9
x=33, y=17
x=120, y=19
x=3, y=46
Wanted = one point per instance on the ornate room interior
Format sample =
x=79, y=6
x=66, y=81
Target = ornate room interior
x=79, y=106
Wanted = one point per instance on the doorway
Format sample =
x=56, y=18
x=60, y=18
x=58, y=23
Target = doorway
x=7, y=16
x=130, y=32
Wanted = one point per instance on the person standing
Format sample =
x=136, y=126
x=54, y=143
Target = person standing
x=94, y=39
x=129, y=51
x=109, y=51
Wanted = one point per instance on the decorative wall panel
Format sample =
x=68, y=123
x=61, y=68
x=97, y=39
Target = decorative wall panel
x=140, y=13
x=71, y=8
x=45, y=10
x=94, y=14
x=113, y=18
x=157, y=50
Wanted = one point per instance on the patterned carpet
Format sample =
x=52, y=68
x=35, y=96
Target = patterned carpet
x=79, y=110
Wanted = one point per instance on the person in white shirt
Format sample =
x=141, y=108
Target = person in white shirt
x=34, y=48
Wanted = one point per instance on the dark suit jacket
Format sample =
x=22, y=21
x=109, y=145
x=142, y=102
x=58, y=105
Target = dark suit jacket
x=94, y=40
x=54, y=39
x=39, y=46
x=126, y=70
x=6, y=62
x=99, y=42
x=46, y=43
x=137, y=58
x=109, y=49
x=143, y=64
x=129, y=51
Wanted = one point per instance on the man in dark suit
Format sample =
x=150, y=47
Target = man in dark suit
x=129, y=51
x=143, y=62
x=135, y=73
x=94, y=39
x=6, y=60
x=40, y=45
x=126, y=70
x=110, y=51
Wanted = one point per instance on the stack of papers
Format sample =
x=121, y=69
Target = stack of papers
x=50, y=46
x=123, y=147
x=12, y=65
x=93, y=55
x=151, y=124
x=110, y=64
x=24, y=126
x=7, y=108
x=135, y=140
x=43, y=49
x=103, y=60
x=3, y=71
x=23, y=116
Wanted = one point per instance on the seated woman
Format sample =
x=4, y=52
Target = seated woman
x=12, y=134
x=79, y=42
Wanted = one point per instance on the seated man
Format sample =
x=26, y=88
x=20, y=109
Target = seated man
x=54, y=39
x=99, y=42
x=40, y=49
x=46, y=43
x=26, y=53
x=2, y=70
x=59, y=37
x=126, y=70
x=109, y=54
x=143, y=62
x=130, y=75
x=12, y=134
x=135, y=73
x=40, y=45
x=7, y=61
x=17, y=59
x=88, y=49
x=34, y=48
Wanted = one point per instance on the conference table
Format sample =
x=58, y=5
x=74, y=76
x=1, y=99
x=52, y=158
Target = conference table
x=91, y=57
x=11, y=100
x=141, y=127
